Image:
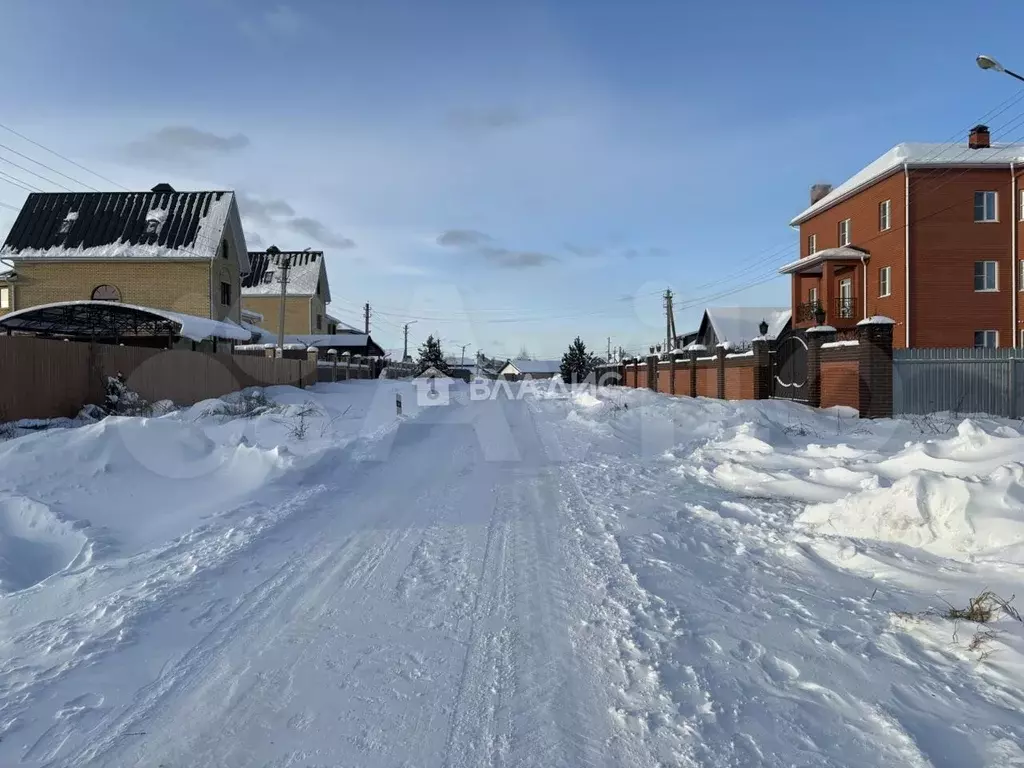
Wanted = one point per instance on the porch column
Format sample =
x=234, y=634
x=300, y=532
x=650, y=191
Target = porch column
x=825, y=290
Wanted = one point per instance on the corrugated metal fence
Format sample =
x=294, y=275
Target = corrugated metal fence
x=961, y=380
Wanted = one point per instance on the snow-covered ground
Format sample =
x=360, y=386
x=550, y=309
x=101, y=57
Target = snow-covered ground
x=608, y=578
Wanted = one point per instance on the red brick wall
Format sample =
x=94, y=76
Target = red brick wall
x=683, y=378
x=707, y=381
x=641, y=376
x=739, y=382
x=886, y=247
x=840, y=383
x=663, y=378
x=945, y=242
x=630, y=380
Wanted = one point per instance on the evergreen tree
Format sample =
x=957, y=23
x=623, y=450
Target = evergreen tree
x=431, y=356
x=577, y=363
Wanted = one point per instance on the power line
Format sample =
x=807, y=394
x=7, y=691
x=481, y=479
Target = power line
x=44, y=165
x=16, y=182
x=37, y=175
x=62, y=157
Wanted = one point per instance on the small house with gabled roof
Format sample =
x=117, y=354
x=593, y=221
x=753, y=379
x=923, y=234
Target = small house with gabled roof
x=163, y=249
x=306, y=289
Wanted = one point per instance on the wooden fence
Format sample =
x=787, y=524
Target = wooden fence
x=42, y=378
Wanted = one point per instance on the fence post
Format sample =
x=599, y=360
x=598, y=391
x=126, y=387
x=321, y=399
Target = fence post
x=672, y=373
x=762, y=368
x=652, y=372
x=874, y=358
x=693, y=371
x=332, y=357
x=720, y=352
x=816, y=336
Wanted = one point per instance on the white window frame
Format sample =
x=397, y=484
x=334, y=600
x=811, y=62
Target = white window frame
x=887, y=282
x=1020, y=196
x=812, y=244
x=1020, y=275
x=885, y=215
x=989, y=334
x=995, y=276
x=812, y=295
x=992, y=195
x=5, y=297
x=845, y=228
x=846, y=287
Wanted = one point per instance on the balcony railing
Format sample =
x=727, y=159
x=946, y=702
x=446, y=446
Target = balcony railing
x=844, y=309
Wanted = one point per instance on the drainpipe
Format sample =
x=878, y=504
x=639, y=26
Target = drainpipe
x=864, y=290
x=1014, y=215
x=906, y=252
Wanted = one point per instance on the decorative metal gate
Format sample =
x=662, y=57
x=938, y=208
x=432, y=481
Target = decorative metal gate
x=789, y=366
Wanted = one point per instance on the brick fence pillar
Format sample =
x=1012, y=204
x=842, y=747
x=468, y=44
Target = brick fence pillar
x=652, y=373
x=816, y=336
x=874, y=359
x=762, y=368
x=720, y=352
x=671, y=374
x=693, y=372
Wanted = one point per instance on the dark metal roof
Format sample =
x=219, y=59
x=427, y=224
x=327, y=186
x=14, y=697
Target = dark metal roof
x=261, y=261
x=106, y=218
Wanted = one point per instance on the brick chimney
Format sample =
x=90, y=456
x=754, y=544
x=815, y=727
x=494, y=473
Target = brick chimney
x=819, y=191
x=979, y=138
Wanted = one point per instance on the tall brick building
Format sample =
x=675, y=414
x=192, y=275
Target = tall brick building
x=179, y=251
x=927, y=234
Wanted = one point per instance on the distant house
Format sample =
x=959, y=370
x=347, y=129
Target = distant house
x=739, y=325
x=520, y=370
x=307, y=291
x=182, y=252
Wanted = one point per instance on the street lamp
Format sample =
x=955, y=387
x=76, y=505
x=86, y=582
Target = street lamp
x=763, y=328
x=987, y=62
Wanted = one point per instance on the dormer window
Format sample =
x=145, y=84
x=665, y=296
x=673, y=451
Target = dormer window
x=268, y=277
x=71, y=218
x=154, y=220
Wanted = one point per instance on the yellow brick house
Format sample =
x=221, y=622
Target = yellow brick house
x=307, y=291
x=170, y=250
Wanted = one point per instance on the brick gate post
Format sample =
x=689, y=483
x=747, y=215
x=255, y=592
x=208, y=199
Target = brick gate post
x=652, y=373
x=762, y=368
x=816, y=336
x=874, y=359
x=720, y=352
x=695, y=349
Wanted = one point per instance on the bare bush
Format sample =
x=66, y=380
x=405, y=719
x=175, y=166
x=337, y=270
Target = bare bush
x=244, y=405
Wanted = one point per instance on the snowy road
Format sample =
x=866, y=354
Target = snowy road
x=415, y=611
x=556, y=581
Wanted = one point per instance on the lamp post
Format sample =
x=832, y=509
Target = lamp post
x=763, y=328
x=987, y=62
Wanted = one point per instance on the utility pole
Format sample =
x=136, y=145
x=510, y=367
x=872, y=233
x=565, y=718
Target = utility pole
x=285, y=266
x=366, y=318
x=670, y=322
x=405, y=346
x=609, y=358
x=463, y=364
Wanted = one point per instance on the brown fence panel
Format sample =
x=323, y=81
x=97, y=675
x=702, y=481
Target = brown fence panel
x=42, y=378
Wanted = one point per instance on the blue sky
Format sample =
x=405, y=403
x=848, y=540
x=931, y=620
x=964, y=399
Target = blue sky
x=507, y=174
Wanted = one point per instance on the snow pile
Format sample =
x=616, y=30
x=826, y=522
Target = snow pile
x=34, y=543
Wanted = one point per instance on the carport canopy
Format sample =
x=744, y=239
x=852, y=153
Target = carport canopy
x=114, y=320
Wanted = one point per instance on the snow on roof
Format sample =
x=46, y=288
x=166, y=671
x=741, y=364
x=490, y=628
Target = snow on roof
x=826, y=254
x=112, y=226
x=341, y=324
x=252, y=316
x=535, y=366
x=192, y=327
x=306, y=268
x=740, y=324
x=917, y=154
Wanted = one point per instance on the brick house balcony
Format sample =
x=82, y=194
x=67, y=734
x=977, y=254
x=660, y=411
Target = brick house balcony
x=826, y=287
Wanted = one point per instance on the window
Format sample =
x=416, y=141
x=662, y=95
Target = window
x=319, y=320
x=106, y=293
x=986, y=276
x=884, y=215
x=1021, y=204
x=812, y=243
x=224, y=249
x=1020, y=278
x=812, y=296
x=846, y=298
x=5, y=297
x=986, y=339
x=69, y=220
x=844, y=232
x=225, y=293
x=152, y=226
x=268, y=277
x=985, y=206
x=885, y=281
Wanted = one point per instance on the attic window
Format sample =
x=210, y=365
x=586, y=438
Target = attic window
x=154, y=220
x=268, y=277
x=71, y=218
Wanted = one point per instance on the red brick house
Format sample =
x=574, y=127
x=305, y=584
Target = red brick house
x=927, y=234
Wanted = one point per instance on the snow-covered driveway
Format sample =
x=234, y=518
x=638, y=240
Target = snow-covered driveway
x=556, y=581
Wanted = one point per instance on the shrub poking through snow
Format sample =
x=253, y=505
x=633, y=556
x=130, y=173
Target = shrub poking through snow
x=245, y=405
x=983, y=608
x=122, y=401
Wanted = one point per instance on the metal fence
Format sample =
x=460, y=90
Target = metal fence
x=960, y=380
